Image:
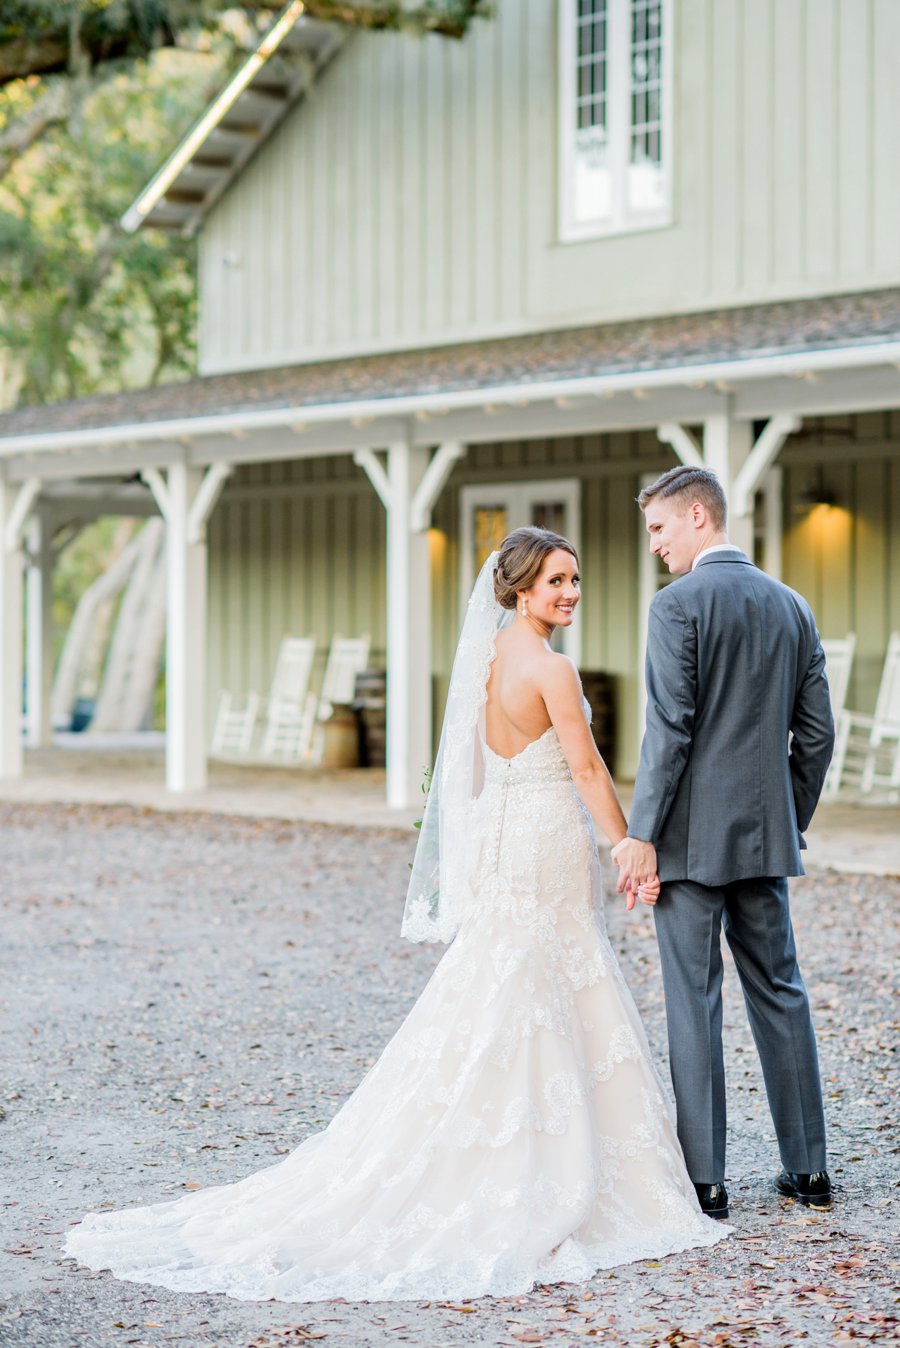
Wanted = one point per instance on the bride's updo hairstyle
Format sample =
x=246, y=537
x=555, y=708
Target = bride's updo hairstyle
x=521, y=557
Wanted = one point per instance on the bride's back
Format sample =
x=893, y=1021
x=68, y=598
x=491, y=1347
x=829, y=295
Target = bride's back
x=516, y=713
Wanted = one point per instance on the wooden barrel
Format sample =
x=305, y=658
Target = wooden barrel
x=370, y=705
x=599, y=689
x=341, y=747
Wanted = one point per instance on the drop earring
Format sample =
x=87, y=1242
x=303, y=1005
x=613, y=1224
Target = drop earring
x=524, y=608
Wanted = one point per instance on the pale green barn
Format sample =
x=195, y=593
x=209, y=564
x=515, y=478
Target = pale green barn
x=452, y=286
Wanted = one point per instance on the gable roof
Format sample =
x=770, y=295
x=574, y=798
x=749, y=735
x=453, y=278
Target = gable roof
x=273, y=78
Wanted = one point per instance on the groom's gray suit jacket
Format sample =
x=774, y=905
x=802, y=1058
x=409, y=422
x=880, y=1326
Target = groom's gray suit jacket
x=734, y=667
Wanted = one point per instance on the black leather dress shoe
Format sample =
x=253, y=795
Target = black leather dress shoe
x=813, y=1190
x=713, y=1199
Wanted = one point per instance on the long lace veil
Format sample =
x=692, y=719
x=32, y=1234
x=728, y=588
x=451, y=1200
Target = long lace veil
x=439, y=885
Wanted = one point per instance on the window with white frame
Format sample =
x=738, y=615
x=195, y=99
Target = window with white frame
x=615, y=120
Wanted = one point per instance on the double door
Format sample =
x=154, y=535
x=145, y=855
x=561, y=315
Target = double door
x=489, y=511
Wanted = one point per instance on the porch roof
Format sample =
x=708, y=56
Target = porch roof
x=809, y=356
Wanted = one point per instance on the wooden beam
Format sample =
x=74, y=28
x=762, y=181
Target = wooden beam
x=682, y=441
x=368, y=461
x=764, y=453
x=433, y=481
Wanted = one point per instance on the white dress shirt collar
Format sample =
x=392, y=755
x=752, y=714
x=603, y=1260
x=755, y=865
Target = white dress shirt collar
x=717, y=547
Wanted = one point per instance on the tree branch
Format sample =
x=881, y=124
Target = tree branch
x=117, y=33
x=51, y=109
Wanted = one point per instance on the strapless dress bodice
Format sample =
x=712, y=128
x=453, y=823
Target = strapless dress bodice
x=540, y=762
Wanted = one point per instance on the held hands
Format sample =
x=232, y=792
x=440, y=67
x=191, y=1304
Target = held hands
x=636, y=861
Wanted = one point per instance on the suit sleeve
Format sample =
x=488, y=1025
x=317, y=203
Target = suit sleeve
x=812, y=729
x=671, y=676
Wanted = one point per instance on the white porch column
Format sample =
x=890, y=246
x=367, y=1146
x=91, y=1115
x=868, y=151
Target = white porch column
x=186, y=499
x=726, y=445
x=15, y=504
x=409, y=750
x=39, y=618
x=408, y=489
x=773, y=496
x=648, y=584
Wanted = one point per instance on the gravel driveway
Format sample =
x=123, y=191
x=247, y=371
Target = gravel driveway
x=185, y=997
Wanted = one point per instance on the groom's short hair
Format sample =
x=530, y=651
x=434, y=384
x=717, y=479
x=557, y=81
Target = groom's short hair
x=689, y=484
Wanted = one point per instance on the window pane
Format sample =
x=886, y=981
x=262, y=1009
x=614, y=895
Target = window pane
x=617, y=169
x=591, y=187
x=646, y=176
x=549, y=515
x=490, y=529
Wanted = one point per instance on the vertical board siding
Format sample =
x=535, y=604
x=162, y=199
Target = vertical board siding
x=854, y=130
x=754, y=96
x=726, y=197
x=291, y=553
x=846, y=560
x=788, y=212
x=821, y=171
x=412, y=197
x=884, y=216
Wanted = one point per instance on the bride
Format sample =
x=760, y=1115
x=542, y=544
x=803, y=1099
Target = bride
x=514, y=1131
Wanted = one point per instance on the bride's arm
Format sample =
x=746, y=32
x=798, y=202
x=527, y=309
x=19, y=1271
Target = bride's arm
x=560, y=688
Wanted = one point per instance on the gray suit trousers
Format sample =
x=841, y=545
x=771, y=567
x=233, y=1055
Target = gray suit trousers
x=757, y=924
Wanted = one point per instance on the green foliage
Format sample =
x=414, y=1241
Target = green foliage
x=83, y=306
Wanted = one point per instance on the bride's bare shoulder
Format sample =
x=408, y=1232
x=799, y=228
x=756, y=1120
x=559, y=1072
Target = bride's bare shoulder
x=559, y=672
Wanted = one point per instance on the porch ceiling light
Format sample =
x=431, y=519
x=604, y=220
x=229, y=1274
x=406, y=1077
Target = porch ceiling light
x=814, y=494
x=160, y=184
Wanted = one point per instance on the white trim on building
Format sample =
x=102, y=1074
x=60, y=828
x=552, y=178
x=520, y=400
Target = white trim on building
x=615, y=117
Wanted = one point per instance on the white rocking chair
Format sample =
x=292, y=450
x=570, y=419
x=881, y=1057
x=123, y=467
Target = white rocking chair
x=286, y=709
x=289, y=717
x=234, y=726
x=839, y=652
x=347, y=657
x=289, y=733
x=867, y=748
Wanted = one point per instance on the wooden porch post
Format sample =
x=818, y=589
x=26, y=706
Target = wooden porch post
x=408, y=489
x=15, y=504
x=726, y=444
x=409, y=750
x=186, y=499
x=39, y=617
x=773, y=498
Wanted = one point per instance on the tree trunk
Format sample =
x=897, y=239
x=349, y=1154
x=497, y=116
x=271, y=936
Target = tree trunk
x=80, y=647
x=127, y=651
x=51, y=109
x=139, y=695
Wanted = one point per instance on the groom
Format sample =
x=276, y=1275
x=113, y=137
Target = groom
x=738, y=740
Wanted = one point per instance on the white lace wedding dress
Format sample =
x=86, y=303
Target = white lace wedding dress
x=513, y=1132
